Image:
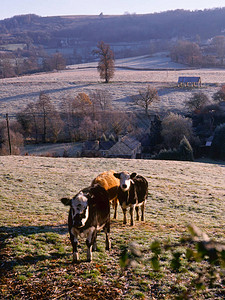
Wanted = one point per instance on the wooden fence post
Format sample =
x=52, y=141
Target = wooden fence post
x=7, y=122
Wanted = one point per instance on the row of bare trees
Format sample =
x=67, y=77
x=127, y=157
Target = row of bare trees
x=191, y=53
x=79, y=117
x=11, y=66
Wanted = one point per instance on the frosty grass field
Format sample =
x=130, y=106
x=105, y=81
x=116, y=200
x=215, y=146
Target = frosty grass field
x=16, y=93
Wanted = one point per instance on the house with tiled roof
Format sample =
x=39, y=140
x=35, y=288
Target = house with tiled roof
x=90, y=149
x=126, y=147
x=104, y=147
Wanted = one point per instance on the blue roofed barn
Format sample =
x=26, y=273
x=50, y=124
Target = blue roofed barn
x=189, y=81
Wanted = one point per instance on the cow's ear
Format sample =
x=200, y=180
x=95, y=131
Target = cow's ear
x=133, y=175
x=66, y=201
x=117, y=175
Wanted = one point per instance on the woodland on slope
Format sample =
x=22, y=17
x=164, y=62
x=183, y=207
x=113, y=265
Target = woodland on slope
x=123, y=28
x=31, y=43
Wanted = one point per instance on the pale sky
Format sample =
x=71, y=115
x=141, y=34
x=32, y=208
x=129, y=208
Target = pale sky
x=10, y=8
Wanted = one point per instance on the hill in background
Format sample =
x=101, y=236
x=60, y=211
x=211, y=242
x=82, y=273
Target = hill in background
x=128, y=35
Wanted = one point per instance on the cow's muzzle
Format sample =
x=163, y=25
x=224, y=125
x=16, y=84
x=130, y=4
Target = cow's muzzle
x=77, y=221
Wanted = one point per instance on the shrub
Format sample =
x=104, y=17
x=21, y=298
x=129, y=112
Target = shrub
x=194, y=254
x=220, y=95
x=171, y=154
x=197, y=102
x=218, y=143
x=174, y=127
x=183, y=152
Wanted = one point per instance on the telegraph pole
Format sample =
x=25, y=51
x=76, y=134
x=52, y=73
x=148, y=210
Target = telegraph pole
x=7, y=122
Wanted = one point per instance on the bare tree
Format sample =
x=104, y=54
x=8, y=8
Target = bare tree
x=145, y=98
x=106, y=65
x=186, y=52
x=68, y=111
x=83, y=99
x=74, y=110
x=82, y=103
x=6, y=69
x=30, y=64
x=31, y=111
x=16, y=138
x=49, y=118
x=219, y=45
x=90, y=129
x=56, y=61
x=101, y=99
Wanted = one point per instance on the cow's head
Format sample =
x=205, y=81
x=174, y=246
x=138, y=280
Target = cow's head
x=79, y=209
x=125, y=180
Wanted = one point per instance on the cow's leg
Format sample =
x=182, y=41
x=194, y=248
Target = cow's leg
x=137, y=213
x=92, y=234
x=115, y=208
x=74, y=242
x=132, y=215
x=124, y=215
x=94, y=248
x=142, y=211
x=89, y=251
x=107, y=239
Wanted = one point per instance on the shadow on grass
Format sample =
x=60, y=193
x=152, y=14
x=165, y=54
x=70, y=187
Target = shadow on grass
x=32, y=260
x=7, y=232
x=220, y=163
x=13, y=231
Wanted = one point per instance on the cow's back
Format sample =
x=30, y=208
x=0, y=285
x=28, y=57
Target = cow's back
x=109, y=182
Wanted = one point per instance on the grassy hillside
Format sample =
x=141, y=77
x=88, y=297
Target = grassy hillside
x=35, y=247
x=16, y=93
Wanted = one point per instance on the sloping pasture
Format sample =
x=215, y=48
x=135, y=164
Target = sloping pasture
x=35, y=247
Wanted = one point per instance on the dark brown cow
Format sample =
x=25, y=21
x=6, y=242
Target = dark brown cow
x=132, y=193
x=89, y=213
x=111, y=184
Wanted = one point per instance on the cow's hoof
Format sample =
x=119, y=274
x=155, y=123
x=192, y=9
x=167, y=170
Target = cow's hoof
x=94, y=248
x=108, y=246
x=75, y=261
x=75, y=257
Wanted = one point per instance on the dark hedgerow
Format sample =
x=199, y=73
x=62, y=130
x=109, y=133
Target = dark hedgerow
x=184, y=152
x=218, y=143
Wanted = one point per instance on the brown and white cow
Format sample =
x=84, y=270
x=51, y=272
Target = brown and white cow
x=89, y=213
x=132, y=193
